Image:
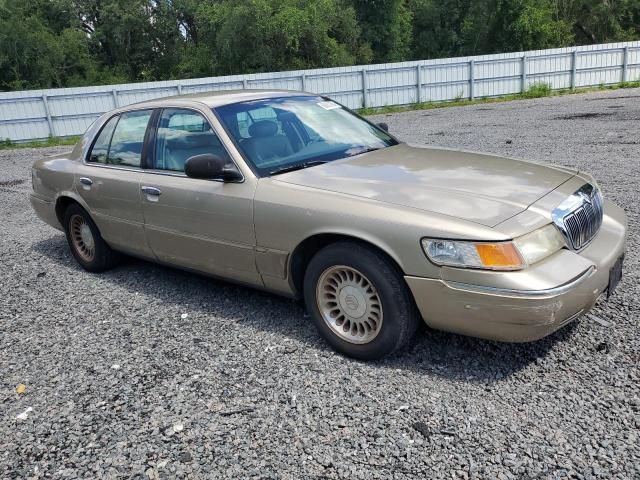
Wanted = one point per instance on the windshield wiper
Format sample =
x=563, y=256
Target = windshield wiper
x=361, y=150
x=297, y=166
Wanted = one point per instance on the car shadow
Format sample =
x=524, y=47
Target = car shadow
x=448, y=355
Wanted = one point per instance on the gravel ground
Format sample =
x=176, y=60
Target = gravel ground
x=149, y=372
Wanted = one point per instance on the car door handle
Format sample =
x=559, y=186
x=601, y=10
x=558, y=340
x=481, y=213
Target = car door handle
x=86, y=183
x=151, y=191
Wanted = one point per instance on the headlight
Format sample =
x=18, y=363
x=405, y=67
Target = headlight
x=511, y=255
x=491, y=256
x=540, y=243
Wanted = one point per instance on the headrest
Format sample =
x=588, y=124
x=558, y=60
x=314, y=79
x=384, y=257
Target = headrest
x=182, y=139
x=263, y=128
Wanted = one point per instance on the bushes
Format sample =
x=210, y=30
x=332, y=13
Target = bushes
x=538, y=90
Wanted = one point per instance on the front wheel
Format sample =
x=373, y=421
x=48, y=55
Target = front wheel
x=359, y=301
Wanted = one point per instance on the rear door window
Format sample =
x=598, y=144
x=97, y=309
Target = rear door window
x=128, y=139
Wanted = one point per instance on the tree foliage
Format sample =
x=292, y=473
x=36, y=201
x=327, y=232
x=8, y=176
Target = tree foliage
x=57, y=43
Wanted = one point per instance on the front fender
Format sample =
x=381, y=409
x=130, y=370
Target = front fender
x=286, y=215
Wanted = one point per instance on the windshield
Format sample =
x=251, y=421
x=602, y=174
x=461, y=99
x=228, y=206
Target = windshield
x=282, y=134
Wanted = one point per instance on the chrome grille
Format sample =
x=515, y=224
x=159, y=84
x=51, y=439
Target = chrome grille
x=579, y=217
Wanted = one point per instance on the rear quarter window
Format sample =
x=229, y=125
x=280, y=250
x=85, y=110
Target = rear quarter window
x=100, y=148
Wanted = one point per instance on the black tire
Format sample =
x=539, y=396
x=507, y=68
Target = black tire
x=400, y=316
x=103, y=258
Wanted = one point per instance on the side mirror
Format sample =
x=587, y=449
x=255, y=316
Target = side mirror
x=383, y=126
x=209, y=167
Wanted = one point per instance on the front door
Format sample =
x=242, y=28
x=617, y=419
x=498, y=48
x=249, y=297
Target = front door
x=203, y=225
x=109, y=181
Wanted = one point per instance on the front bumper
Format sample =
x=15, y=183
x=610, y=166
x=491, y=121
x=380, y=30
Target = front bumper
x=526, y=305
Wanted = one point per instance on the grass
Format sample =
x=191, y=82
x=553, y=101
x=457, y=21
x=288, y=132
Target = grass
x=49, y=142
x=537, y=90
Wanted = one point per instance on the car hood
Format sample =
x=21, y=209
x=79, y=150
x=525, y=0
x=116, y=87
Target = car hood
x=480, y=188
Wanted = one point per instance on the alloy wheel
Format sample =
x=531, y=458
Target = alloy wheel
x=349, y=304
x=82, y=238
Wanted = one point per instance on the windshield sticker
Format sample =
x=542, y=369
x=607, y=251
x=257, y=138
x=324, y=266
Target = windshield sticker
x=329, y=105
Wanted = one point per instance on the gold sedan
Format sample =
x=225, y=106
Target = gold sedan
x=295, y=194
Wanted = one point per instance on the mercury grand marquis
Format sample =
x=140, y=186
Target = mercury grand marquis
x=295, y=194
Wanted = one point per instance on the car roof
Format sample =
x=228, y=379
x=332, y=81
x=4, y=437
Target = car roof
x=222, y=97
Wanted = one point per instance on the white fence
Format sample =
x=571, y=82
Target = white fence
x=37, y=114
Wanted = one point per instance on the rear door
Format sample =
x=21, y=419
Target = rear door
x=204, y=225
x=109, y=181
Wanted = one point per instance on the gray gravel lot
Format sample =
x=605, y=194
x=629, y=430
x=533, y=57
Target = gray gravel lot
x=150, y=372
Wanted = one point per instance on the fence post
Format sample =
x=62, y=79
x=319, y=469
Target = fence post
x=48, y=114
x=245, y=84
x=419, y=83
x=625, y=64
x=365, y=99
x=303, y=80
x=523, y=88
x=472, y=74
x=179, y=87
x=114, y=93
x=574, y=69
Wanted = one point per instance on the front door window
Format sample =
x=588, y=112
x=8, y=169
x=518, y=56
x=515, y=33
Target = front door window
x=183, y=134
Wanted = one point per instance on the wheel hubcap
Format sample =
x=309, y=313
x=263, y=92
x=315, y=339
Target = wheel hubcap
x=349, y=304
x=82, y=238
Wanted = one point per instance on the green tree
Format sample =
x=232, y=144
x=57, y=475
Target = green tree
x=600, y=21
x=386, y=26
x=268, y=35
x=55, y=43
x=466, y=27
x=511, y=25
x=437, y=27
x=38, y=53
x=123, y=34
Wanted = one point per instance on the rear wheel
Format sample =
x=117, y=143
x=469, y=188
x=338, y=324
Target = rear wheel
x=87, y=245
x=359, y=301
